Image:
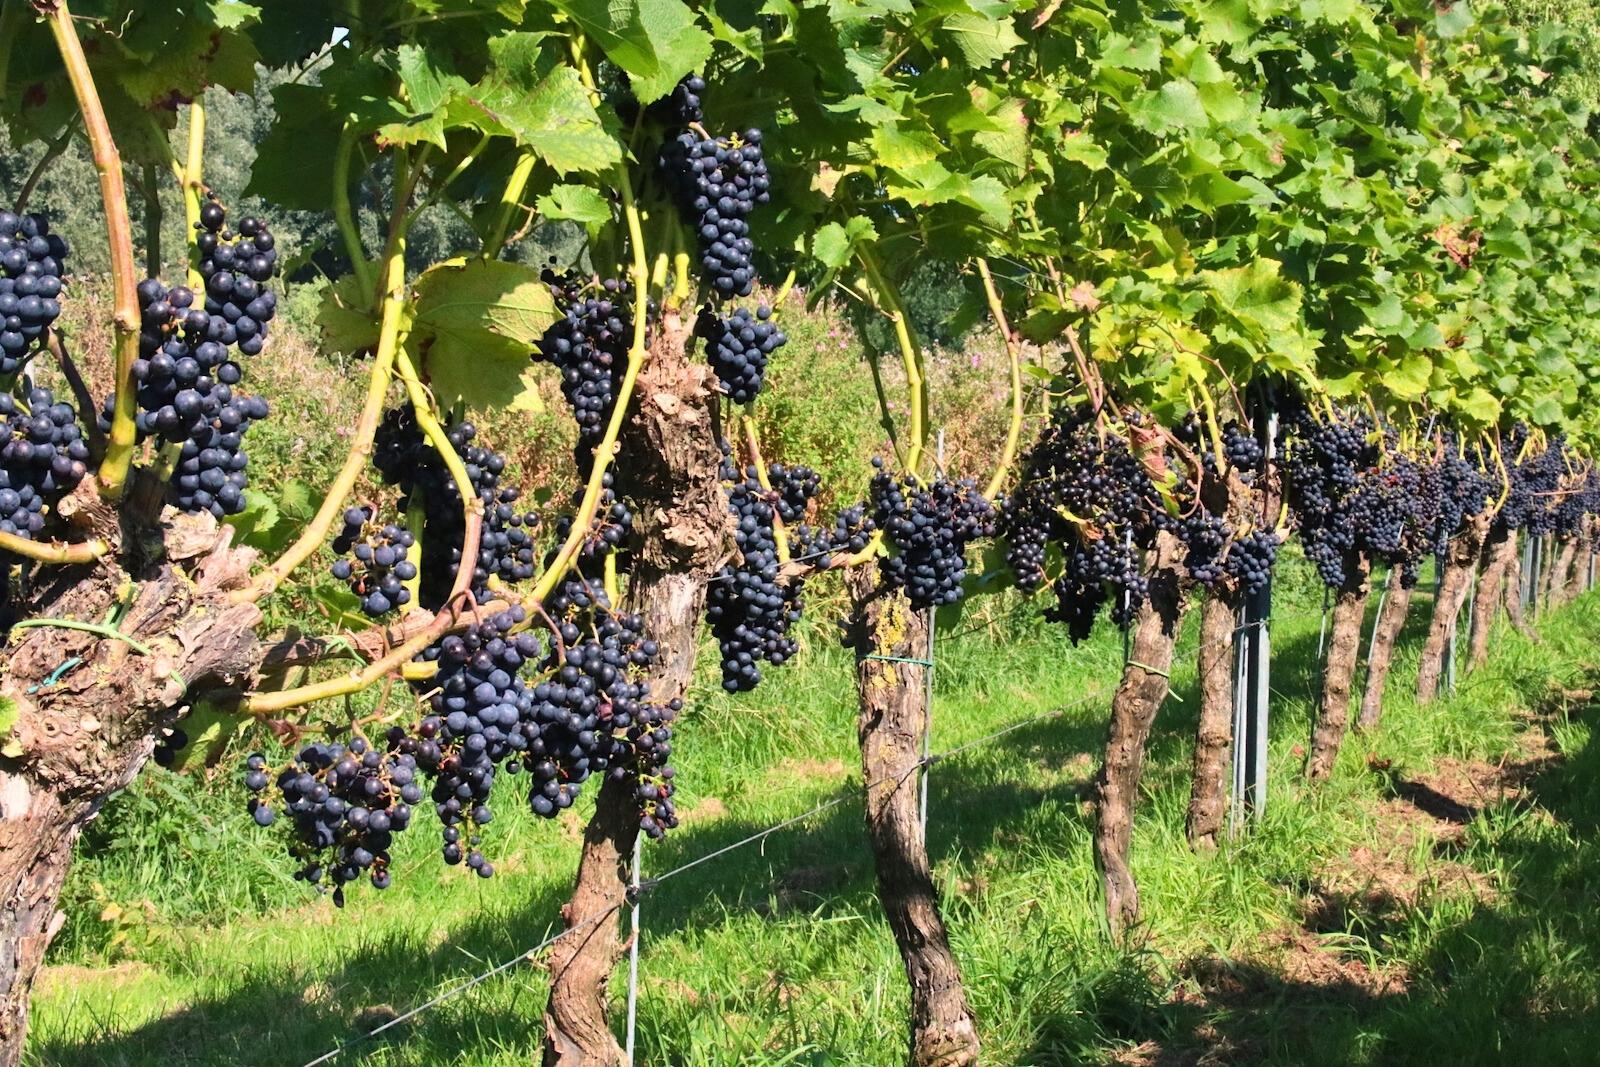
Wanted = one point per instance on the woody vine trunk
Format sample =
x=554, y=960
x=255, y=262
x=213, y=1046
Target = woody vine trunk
x=1380, y=656
x=87, y=706
x=1344, y=646
x=1499, y=551
x=890, y=724
x=1512, y=591
x=1139, y=696
x=1561, y=575
x=1213, y=743
x=667, y=463
x=1459, y=563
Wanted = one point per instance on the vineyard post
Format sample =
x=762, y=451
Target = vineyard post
x=1253, y=667
x=1253, y=679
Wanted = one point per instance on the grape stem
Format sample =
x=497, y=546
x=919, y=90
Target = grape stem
x=361, y=440
x=605, y=451
x=344, y=215
x=471, y=506
x=752, y=441
x=53, y=551
x=436, y=188
x=52, y=152
x=189, y=174
x=888, y=300
x=113, y=473
x=80, y=390
x=1008, y=451
x=510, y=197
x=355, y=681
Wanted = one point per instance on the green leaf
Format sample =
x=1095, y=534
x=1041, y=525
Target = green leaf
x=898, y=149
x=475, y=327
x=553, y=117
x=346, y=319
x=578, y=203
x=834, y=245
x=1176, y=104
x=655, y=42
x=1258, y=295
x=981, y=41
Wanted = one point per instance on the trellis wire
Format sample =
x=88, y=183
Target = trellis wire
x=639, y=886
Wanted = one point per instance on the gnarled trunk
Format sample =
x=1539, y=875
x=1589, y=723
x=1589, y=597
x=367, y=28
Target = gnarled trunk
x=890, y=724
x=1144, y=686
x=88, y=706
x=1459, y=564
x=668, y=465
x=1512, y=590
x=1561, y=574
x=1499, y=552
x=1344, y=647
x=1380, y=655
x=1213, y=742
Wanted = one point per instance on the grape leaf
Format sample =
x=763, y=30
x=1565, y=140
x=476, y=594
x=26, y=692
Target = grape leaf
x=655, y=42
x=475, y=327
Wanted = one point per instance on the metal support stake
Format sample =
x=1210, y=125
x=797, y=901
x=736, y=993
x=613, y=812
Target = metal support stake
x=633, y=953
x=1252, y=670
x=927, y=719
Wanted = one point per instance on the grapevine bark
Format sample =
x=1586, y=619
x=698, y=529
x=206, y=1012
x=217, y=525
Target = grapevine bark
x=1391, y=620
x=1513, y=592
x=1499, y=550
x=1213, y=744
x=1344, y=645
x=82, y=733
x=892, y=718
x=667, y=462
x=1139, y=696
x=1561, y=574
x=1460, y=561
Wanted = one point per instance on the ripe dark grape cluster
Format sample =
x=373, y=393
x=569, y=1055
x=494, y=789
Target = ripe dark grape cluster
x=717, y=183
x=681, y=107
x=184, y=377
x=750, y=607
x=1250, y=559
x=378, y=568
x=1083, y=491
x=739, y=346
x=594, y=696
x=345, y=802
x=482, y=716
x=929, y=526
x=1536, y=476
x=609, y=530
x=235, y=269
x=32, y=261
x=589, y=346
x=42, y=459
x=1243, y=451
x=1323, y=469
x=852, y=529
x=210, y=472
x=404, y=457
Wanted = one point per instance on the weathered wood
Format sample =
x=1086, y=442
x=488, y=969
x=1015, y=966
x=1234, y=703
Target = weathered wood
x=88, y=706
x=668, y=464
x=892, y=717
x=1459, y=563
x=1140, y=694
x=1380, y=657
x=1344, y=647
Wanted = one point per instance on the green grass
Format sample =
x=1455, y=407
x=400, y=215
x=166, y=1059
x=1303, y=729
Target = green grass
x=778, y=953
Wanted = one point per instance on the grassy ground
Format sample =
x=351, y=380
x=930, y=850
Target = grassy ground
x=1433, y=903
